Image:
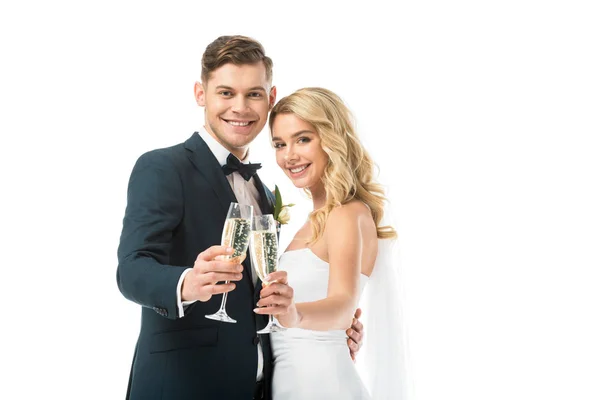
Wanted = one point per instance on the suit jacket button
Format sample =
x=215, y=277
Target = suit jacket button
x=256, y=341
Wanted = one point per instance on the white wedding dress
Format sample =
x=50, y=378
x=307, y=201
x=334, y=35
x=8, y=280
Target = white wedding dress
x=309, y=364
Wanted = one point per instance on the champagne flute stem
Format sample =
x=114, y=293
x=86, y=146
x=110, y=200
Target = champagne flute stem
x=224, y=299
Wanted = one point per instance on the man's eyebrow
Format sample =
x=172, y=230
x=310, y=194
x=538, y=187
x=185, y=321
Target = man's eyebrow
x=295, y=134
x=251, y=89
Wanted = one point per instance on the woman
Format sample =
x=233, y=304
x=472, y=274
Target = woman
x=330, y=259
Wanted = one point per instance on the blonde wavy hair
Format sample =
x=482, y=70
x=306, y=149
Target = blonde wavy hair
x=349, y=171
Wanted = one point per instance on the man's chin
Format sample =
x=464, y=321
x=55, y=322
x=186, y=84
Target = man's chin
x=240, y=141
x=240, y=135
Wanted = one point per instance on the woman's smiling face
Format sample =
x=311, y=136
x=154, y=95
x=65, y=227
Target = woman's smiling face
x=298, y=151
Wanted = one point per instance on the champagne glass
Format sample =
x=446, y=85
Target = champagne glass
x=236, y=234
x=263, y=255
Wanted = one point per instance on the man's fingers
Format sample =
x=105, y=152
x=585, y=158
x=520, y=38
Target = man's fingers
x=211, y=277
x=357, y=325
x=214, y=251
x=219, y=266
x=351, y=334
x=357, y=313
x=354, y=336
x=218, y=289
x=352, y=345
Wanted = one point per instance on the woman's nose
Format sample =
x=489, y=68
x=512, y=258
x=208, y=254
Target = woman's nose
x=290, y=154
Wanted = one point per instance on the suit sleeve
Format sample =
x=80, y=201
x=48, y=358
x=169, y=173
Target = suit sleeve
x=154, y=210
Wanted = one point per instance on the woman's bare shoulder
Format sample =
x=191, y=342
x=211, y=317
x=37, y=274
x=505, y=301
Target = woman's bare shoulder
x=354, y=215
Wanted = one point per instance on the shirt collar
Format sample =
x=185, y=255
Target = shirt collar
x=218, y=150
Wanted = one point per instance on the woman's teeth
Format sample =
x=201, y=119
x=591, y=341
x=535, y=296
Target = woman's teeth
x=299, y=169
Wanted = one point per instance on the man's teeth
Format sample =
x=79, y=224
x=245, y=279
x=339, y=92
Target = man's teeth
x=235, y=123
x=296, y=170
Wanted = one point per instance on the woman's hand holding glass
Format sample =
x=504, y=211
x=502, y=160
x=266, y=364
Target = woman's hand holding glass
x=277, y=299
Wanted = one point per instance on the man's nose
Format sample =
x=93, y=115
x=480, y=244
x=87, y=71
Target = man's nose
x=239, y=104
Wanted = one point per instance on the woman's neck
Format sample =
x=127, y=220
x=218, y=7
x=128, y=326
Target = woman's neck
x=319, y=196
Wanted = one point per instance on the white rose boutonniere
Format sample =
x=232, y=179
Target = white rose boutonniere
x=281, y=211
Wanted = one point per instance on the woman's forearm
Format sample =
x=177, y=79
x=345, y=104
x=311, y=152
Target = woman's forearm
x=332, y=313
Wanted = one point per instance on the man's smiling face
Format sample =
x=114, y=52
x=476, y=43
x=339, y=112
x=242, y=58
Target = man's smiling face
x=236, y=101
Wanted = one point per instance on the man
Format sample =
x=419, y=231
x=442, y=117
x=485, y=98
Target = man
x=177, y=202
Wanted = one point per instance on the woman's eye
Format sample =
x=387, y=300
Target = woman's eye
x=303, y=140
x=278, y=145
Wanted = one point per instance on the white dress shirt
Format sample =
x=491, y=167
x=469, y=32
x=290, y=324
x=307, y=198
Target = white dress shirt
x=245, y=193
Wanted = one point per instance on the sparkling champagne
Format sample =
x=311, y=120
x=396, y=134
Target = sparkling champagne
x=236, y=234
x=264, y=253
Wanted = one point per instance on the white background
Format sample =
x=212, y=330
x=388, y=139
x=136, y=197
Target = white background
x=483, y=116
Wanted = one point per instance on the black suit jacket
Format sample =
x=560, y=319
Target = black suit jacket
x=177, y=202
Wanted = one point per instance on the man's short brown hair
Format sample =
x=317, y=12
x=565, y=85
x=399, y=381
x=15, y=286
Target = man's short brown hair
x=237, y=50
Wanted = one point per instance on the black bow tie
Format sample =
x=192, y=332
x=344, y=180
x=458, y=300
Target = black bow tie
x=247, y=171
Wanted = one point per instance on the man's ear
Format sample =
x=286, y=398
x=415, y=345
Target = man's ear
x=199, y=94
x=272, y=97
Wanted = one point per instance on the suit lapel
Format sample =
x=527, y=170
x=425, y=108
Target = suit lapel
x=206, y=163
x=267, y=199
